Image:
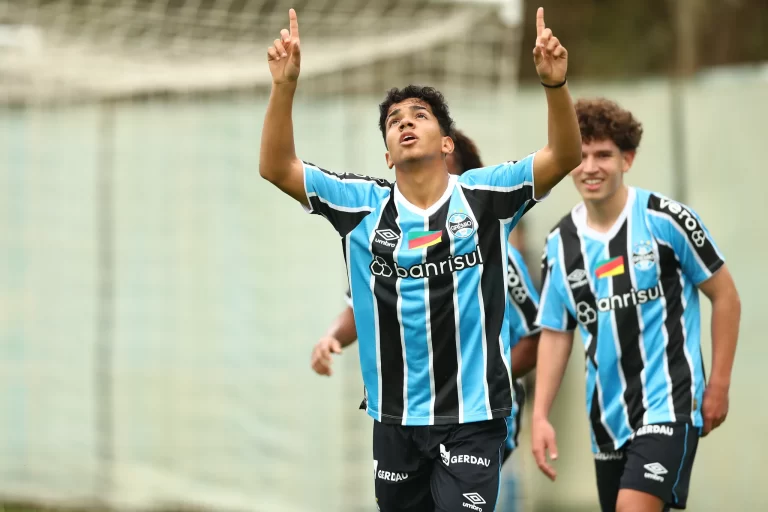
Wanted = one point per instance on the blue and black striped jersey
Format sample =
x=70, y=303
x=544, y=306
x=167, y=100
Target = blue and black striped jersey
x=429, y=289
x=633, y=294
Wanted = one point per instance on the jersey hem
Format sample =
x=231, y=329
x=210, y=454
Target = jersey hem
x=421, y=421
x=556, y=329
x=622, y=441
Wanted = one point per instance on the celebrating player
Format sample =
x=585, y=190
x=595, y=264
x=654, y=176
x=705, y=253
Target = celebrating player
x=426, y=258
x=626, y=266
x=522, y=298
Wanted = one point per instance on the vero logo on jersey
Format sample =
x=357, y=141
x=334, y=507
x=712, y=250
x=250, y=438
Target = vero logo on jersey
x=610, y=268
x=422, y=239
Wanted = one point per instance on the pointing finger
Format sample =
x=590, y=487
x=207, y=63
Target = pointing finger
x=294, y=24
x=540, y=21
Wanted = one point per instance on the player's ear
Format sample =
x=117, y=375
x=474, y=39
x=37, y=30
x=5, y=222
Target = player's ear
x=448, y=145
x=627, y=158
x=390, y=162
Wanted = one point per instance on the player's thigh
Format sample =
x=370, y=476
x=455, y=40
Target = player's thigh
x=401, y=474
x=630, y=500
x=659, y=463
x=466, y=477
x=609, y=467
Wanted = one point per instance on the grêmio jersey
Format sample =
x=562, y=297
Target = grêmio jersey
x=523, y=304
x=429, y=289
x=633, y=292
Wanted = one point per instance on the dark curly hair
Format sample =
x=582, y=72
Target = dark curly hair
x=601, y=119
x=428, y=95
x=465, y=151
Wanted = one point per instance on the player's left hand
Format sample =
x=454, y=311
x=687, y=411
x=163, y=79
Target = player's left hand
x=550, y=57
x=714, y=408
x=321, y=355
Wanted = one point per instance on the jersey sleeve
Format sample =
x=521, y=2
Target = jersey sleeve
x=522, y=297
x=679, y=227
x=553, y=306
x=507, y=187
x=348, y=297
x=343, y=199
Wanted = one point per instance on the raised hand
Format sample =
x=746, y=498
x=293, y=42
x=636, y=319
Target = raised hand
x=284, y=56
x=550, y=57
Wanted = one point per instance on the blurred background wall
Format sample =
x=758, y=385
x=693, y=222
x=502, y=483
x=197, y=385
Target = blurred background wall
x=159, y=301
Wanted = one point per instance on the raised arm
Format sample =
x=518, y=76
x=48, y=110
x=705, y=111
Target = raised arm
x=562, y=153
x=278, y=162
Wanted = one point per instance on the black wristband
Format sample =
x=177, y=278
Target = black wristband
x=557, y=86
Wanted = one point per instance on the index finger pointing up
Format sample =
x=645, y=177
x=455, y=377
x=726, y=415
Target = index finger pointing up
x=539, y=21
x=294, y=24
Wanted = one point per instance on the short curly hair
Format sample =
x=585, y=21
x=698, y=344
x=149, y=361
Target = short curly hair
x=603, y=119
x=428, y=95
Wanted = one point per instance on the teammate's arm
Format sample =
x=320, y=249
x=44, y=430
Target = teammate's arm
x=524, y=355
x=555, y=344
x=681, y=228
x=278, y=162
x=726, y=314
x=562, y=153
x=554, y=351
x=340, y=334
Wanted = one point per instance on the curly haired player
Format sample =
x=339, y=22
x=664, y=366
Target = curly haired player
x=625, y=266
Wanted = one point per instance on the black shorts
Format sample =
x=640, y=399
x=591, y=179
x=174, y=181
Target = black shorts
x=657, y=460
x=441, y=468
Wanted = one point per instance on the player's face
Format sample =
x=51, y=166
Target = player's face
x=601, y=173
x=413, y=134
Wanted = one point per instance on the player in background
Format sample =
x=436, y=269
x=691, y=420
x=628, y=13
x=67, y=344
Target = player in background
x=522, y=298
x=427, y=261
x=625, y=266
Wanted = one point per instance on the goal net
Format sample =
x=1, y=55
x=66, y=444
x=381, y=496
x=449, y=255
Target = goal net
x=159, y=301
x=89, y=49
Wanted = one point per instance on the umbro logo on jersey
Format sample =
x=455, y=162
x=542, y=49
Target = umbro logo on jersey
x=577, y=278
x=387, y=234
x=386, y=237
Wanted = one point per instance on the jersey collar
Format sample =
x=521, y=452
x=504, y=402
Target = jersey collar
x=400, y=198
x=579, y=216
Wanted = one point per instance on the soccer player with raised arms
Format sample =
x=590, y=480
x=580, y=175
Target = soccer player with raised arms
x=626, y=266
x=522, y=299
x=426, y=258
